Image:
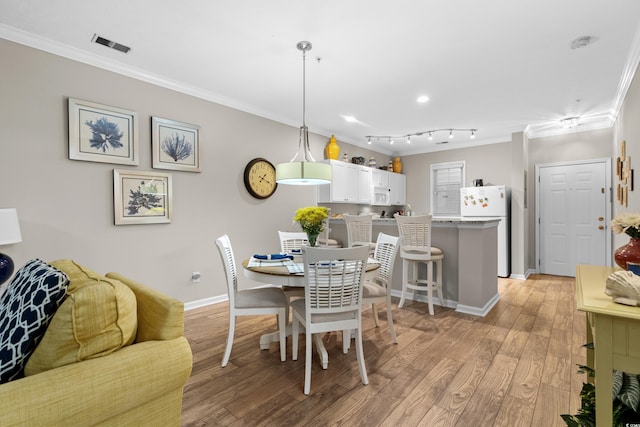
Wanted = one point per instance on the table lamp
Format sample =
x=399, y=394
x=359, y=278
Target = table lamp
x=9, y=233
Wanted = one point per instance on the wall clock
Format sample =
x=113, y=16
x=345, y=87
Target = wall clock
x=260, y=178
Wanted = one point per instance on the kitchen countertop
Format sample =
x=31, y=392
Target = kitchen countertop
x=437, y=221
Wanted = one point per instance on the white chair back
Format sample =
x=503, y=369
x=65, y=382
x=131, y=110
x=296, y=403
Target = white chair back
x=290, y=240
x=358, y=230
x=386, y=250
x=415, y=233
x=230, y=271
x=334, y=280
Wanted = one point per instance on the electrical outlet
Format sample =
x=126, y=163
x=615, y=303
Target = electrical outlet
x=195, y=277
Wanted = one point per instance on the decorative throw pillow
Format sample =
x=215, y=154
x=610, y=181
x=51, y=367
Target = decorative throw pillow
x=26, y=307
x=98, y=317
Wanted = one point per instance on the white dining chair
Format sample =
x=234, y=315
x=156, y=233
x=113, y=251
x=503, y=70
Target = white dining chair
x=359, y=231
x=332, y=302
x=292, y=241
x=415, y=248
x=378, y=290
x=250, y=302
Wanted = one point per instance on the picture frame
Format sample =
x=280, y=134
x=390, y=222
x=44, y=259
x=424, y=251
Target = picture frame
x=89, y=122
x=175, y=145
x=142, y=197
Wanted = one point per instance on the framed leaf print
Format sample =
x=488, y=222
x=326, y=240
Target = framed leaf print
x=100, y=133
x=175, y=145
x=142, y=197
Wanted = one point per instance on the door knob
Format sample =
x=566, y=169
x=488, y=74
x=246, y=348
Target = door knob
x=600, y=218
x=601, y=227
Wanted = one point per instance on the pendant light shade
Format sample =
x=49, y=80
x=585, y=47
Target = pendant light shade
x=303, y=169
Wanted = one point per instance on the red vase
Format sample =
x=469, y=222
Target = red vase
x=628, y=253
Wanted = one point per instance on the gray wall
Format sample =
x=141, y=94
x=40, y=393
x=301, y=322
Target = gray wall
x=627, y=128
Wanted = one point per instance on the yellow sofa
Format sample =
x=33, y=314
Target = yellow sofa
x=136, y=385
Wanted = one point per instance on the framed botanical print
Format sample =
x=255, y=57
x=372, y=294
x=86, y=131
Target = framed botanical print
x=141, y=197
x=100, y=133
x=175, y=145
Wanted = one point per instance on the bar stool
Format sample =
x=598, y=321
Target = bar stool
x=359, y=231
x=415, y=248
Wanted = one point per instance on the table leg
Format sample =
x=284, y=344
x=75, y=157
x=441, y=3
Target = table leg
x=267, y=339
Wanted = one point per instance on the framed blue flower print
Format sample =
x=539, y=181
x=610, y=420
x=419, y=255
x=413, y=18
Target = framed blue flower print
x=100, y=133
x=175, y=145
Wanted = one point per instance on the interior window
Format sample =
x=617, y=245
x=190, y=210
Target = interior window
x=446, y=181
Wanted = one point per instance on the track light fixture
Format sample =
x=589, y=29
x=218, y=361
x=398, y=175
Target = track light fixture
x=390, y=138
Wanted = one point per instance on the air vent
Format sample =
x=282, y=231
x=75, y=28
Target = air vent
x=108, y=43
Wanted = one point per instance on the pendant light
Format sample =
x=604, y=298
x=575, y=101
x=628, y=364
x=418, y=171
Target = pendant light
x=303, y=169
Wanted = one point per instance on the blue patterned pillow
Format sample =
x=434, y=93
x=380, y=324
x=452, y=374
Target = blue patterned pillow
x=26, y=307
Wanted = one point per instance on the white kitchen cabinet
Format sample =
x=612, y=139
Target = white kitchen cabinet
x=379, y=178
x=364, y=185
x=397, y=188
x=350, y=183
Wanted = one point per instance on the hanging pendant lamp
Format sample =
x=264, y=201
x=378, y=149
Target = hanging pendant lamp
x=303, y=169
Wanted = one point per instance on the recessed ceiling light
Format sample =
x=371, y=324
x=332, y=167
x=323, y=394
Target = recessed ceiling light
x=422, y=99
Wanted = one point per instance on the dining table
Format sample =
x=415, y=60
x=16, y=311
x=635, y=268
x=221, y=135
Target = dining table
x=290, y=272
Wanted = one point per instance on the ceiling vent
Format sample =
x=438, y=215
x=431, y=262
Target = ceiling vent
x=108, y=43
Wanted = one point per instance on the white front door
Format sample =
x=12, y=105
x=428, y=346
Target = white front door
x=573, y=209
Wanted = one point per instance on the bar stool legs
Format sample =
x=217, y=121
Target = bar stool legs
x=416, y=284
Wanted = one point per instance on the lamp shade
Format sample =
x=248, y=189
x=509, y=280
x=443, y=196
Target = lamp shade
x=303, y=173
x=9, y=227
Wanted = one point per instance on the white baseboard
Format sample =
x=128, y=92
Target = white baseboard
x=477, y=311
x=204, y=302
x=423, y=298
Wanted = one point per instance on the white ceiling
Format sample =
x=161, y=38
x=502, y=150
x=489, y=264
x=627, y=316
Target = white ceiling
x=499, y=66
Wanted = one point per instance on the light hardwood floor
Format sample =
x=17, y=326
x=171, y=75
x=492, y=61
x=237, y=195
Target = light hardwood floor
x=514, y=367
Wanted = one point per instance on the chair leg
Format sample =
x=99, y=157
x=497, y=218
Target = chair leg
x=405, y=277
x=439, y=281
x=415, y=267
x=227, y=351
x=360, y=357
x=346, y=341
x=282, y=326
x=390, y=320
x=430, y=286
x=374, y=308
x=295, y=330
x=307, y=363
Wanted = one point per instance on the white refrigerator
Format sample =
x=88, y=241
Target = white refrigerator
x=486, y=202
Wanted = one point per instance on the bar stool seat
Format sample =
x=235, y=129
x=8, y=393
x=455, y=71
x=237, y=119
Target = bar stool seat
x=416, y=249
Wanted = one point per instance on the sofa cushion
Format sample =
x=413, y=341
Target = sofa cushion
x=97, y=318
x=26, y=308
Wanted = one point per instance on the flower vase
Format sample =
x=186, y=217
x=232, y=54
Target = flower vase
x=628, y=253
x=332, y=150
x=312, y=238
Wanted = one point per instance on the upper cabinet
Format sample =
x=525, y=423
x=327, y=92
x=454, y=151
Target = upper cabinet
x=350, y=183
x=397, y=189
x=363, y=185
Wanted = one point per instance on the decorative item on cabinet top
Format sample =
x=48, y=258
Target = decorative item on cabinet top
x=397, y=165
x=332, y=150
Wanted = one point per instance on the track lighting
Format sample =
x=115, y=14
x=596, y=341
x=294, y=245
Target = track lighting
x=391, y=138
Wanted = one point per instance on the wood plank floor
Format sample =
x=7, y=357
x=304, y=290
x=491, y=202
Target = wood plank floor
x=514, y=367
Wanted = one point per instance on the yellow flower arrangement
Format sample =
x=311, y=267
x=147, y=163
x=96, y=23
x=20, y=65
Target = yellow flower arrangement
x=628, y=223
x=310, y=219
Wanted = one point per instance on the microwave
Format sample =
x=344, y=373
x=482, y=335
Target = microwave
x=381, y=196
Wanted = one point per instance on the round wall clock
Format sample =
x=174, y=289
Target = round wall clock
x=260, y=178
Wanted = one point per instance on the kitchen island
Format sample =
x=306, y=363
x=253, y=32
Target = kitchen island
x=470, y=265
